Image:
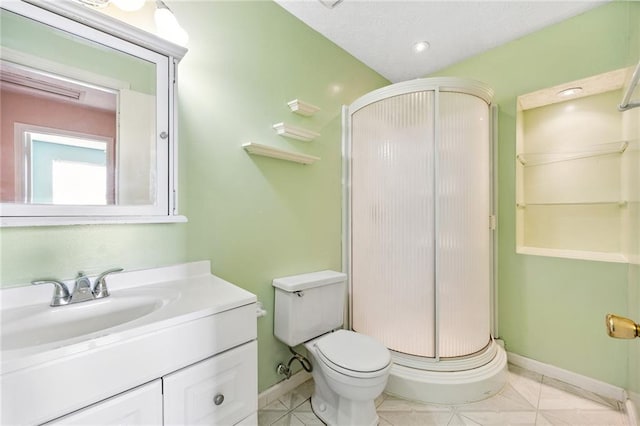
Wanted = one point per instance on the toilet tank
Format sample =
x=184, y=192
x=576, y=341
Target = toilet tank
x=308, y=305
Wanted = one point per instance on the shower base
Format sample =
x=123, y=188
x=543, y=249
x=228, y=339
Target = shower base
x=451, y=381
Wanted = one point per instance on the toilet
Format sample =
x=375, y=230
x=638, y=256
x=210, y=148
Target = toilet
x=350, y=370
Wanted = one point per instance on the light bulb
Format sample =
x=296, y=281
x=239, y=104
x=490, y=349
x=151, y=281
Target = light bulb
x=128, y=5
x=421, y=46
x=570, y=91
x=168, y=27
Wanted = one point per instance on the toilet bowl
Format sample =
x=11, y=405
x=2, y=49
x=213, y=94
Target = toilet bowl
x=350, y=371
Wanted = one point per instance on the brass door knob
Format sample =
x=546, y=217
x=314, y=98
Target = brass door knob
x=622, y=328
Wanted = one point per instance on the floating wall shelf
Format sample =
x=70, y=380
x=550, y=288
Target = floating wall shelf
x=294, y=132
x=281, y=154
x=303, y=108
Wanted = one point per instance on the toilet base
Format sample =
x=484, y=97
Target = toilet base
x=344, y=412
x=335, y=410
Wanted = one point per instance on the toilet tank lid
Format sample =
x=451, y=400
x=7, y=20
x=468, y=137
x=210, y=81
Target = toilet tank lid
x=305, y=281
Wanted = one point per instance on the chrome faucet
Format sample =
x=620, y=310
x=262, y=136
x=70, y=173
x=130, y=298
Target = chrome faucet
x=61, y=294
x=82, y=291
x=100, y=289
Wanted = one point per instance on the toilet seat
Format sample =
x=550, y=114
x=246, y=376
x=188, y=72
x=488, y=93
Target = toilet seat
x=353, y=354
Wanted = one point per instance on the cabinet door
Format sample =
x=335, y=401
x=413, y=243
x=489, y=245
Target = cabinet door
x=139, y=406
x=221, y=390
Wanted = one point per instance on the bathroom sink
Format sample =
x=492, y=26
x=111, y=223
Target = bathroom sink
x=41, y=324
x=57, y=360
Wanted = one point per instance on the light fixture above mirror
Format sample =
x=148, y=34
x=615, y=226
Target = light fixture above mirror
x=126, y=5
x=167, y=25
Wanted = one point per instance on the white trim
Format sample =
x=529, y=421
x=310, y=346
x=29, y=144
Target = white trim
x=346, y=209
x=443, y=84
x=276, y=391
x=583, y=382
x=10, y=222
x=60, y=69
x=495, y=229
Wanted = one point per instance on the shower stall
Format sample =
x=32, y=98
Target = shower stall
x=418, y=235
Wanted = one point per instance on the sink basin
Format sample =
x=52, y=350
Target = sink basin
x=41, y=324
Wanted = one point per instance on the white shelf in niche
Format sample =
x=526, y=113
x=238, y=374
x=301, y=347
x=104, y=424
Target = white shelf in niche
x=294, y=132
x=542, y=158
x=621, y=203
x=280, y=154
x=302, y=108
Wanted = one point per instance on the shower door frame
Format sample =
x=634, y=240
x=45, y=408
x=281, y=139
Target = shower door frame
x=437, y=85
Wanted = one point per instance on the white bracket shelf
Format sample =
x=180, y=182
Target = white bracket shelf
x=294, y=132
x=280, y=154
x=302, y=108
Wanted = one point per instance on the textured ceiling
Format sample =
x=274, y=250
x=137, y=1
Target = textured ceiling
x=381, y=33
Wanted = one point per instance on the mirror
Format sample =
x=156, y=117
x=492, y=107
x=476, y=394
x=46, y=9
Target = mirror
x=85, y=127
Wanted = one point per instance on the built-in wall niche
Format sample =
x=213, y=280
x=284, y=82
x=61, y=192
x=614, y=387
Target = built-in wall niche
x=577, y=160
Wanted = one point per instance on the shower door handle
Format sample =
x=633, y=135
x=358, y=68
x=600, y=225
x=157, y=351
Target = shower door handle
x=622, y=328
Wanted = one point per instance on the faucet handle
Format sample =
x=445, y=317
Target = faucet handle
x=61, y=294
x=100, y=288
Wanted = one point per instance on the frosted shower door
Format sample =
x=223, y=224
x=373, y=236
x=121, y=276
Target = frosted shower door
x=463, y=250
x=392, y=263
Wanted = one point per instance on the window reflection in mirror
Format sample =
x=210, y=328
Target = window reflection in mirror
x=64, y=169
x=78, y=119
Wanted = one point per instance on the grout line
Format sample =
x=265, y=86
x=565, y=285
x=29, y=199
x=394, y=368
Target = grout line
x=538, y=398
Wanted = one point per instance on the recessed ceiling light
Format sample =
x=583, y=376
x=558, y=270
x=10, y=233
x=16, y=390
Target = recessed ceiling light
x=571, y=91
x=421, y=46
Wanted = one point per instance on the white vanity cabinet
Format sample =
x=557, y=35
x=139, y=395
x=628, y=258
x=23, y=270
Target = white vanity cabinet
x=221, y=390
x=137, y=407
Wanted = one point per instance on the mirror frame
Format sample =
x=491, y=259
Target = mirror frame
x=92, y=25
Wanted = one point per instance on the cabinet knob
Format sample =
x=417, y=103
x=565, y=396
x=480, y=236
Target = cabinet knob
x=218, y=399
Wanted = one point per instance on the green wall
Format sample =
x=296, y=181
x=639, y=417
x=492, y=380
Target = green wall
x=259, y=218
x=61, y=251
x=551, y=309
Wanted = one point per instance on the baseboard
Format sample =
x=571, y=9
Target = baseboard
x=583, y=382
x=276, y=391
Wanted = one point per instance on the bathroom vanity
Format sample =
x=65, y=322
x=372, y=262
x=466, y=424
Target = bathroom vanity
x=173, y=345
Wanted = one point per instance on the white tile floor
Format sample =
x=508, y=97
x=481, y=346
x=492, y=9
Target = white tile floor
x=527, y=399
